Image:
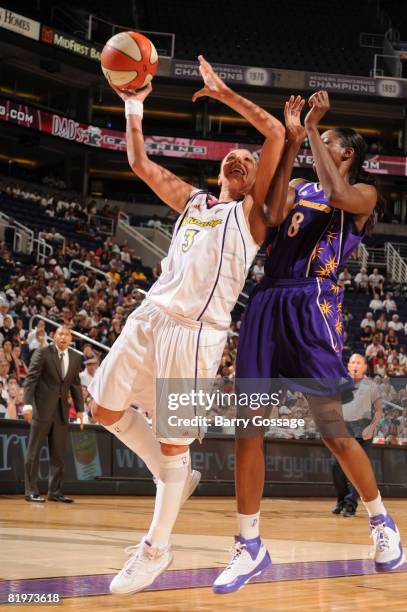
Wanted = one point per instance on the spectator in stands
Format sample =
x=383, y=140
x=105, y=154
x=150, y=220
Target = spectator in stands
x=376, y=304
x=345, y=277
x=40, y=340
x=372, y=350
x=4, y=308
x=32, y=333
x=380, y=365
x=390, y=339
x=376, y=281
x=389, y=304
x=381, y=323
x=7, y=329
x=395, y=323
x=368, y=322
x=258, y=270
x=20, y=365
x=366, y=335
x=402, y=356
x=395, y=369
x=362, y=281
x=91, y=365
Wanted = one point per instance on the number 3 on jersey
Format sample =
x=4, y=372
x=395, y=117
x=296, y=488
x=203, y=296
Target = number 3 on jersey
x=189, y=239
x=296, y=221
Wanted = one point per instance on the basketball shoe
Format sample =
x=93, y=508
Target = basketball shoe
x=141, y=569
x=388, y=551
x=249, y=559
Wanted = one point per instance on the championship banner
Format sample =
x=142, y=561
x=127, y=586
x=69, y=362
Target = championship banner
x=386, y=88
x=19, y=24
x=243, y=75
x=164, y=146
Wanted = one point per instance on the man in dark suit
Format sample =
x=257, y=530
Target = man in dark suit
x=53, y=374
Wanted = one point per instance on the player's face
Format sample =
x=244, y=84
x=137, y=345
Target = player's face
x=357, y=366
x=337, y=151
x=239, y=169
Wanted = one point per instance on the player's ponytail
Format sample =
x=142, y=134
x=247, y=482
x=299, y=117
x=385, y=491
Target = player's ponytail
x=357, y=173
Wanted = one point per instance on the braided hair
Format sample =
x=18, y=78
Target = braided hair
x=357, y=174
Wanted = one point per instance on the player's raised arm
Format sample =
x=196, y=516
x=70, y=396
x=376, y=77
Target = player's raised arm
x=168, y=187
x=281, y=194
x=266, y=124
x=358, y=198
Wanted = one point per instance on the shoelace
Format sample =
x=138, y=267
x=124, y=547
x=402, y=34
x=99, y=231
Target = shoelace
x=137, y=555
x=237, y=550
x=380, y=536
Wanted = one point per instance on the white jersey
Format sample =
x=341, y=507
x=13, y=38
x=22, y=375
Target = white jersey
x=207, y=263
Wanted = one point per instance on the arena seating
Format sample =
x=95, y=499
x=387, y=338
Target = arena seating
x=286, y=36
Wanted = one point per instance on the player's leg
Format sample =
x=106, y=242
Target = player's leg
x=177, y=358
x=126, y=373
x=358, y=468
x=153, y=555
x=256, y=357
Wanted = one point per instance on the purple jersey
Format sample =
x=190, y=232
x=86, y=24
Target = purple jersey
x=314, y=240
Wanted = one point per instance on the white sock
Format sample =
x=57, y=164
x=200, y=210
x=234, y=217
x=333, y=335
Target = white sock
x=375, y=506
x=249, y=525
x=174, y=471
x=134, y=431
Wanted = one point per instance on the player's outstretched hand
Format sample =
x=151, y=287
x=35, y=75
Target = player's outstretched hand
x=319, y=106
x=295, y=132
x=214, y=86
x=132, y=94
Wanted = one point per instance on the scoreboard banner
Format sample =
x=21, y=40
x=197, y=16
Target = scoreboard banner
x=19, y=24
x=165, y=146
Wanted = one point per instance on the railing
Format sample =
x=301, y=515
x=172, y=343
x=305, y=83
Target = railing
x=43, y=249
x=396, y=266
x=148, y=251
x=401, y=248
x=77, y=262
x=73, y=332
x=18, y=238
x=104, y=225
x=362, y=255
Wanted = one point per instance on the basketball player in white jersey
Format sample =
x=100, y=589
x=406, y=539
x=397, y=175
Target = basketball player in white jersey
x=180, y=329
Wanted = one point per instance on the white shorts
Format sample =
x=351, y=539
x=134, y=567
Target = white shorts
x=155, y=345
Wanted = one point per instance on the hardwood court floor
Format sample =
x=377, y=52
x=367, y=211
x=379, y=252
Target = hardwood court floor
x=321, y=562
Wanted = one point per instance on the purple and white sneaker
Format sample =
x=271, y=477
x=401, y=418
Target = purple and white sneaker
x=388, y=551
x=249, y=558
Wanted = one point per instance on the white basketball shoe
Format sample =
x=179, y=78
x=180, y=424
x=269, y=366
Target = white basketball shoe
x=388, y=550
x=141, y=569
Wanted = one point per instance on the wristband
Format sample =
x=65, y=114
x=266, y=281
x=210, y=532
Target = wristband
x=133, y=107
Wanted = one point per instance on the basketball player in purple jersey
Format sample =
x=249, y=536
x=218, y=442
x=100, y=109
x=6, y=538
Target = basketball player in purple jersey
x=292, y=328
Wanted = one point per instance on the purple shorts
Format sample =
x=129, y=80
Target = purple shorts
x=292, y=329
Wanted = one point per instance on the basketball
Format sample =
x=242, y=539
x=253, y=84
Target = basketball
x=129, y=60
